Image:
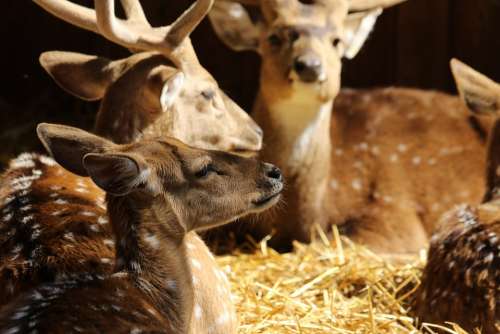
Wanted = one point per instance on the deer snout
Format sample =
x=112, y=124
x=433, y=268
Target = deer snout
x=309, y=68
x=273, y=172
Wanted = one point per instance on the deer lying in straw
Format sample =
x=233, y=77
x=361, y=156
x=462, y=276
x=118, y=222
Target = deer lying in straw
x=382, y=164
x=157, y=192
x=462, y=278
x=51, y=233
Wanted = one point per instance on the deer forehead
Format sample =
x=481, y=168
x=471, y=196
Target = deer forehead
x=295, y=13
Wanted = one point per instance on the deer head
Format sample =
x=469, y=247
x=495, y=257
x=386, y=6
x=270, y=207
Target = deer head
x=482, y=97
x=203, y=188
x=301, y=42
x=162, y=90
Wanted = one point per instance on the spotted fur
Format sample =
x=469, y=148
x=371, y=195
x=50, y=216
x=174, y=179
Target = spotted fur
x=461, y=281
x=54, y=228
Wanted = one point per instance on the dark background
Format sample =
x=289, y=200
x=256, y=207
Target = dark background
x=411, y=46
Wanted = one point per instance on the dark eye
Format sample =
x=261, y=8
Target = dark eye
x=274, y=40
x=208, y=94
x=293, y=35
x=207, y=169
x=336, y=42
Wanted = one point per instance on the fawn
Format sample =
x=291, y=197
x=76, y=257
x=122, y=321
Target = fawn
x=53, y=232
x=461, y=280
x=157, y=192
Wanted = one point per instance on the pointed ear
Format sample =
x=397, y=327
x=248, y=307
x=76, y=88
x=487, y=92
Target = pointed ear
x=86, y=77
x=117, y=174
x=233, y=25
x=164, y=85
x=480, y=94
x=68, y=145
x=358, y=27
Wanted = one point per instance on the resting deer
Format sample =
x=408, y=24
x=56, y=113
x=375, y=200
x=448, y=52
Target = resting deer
x=157, y=192
x=382, y=164
x=152, y=93
x=462, y=277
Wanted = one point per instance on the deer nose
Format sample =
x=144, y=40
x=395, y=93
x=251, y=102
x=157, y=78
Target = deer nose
x=273, y=172
x=308, y=68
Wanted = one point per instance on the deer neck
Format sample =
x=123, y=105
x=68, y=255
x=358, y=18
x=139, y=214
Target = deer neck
x=297, y=130
x=152, y=253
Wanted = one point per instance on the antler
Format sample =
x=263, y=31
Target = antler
x=358, y=5
x=135, y=32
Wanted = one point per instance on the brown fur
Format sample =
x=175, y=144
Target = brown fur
x=156, y=189
x=461, y=279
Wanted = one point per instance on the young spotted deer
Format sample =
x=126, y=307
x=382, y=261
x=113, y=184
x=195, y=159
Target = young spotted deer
x=461, y=280
x=381, y=164
x=50, y=233
x=157, y=192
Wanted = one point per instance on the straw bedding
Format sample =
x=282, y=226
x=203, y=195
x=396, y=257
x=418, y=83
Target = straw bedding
x=329, y=286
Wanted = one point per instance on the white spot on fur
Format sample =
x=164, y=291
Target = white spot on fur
x=416, y=160
x=88, y=213
x=47, y=161
x=196, y=263
x=109, y=242
x=339, y=152
x=357, y=185
x=102, y=220
x=152, y=240
x=105, y=260
x=197, y=311
x=393, y=158
x=61, y=201
x=402, y=148
x=334, y=184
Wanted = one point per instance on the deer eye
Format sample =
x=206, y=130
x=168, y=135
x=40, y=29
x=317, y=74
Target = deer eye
x=274, y=40
x=205, y=171
x=208, y=94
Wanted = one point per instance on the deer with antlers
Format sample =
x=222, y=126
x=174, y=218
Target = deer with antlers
x=156, y=193
x=462, y=277
x=57, y=225
x=381, y=164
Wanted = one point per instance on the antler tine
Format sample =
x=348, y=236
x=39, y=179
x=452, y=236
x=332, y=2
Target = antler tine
x=188, y=21
x=134, y=11
x=245, y=2
x=358, y=5
x=111, y=27
x=77, y=15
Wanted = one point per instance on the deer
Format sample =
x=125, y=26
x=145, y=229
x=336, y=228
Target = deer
x=380, y=164
x=160, y=91
x=157, y=192
x=461, y=279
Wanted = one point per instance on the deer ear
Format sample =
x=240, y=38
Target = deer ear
x=480, y=94
x=68, y=145
x=358, y=27
x=86, y=77
x=117, y=174
x=171, y=89
x=233, y=25
x=164, y=85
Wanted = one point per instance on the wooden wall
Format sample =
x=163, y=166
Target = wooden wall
x=411, y=46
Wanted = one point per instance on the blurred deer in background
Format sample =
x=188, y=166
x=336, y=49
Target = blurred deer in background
x=50, y=233
x=462, y=277
x=381, y=164
x=156, y=193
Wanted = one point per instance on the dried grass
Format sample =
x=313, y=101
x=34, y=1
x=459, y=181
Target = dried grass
x=329, y=286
